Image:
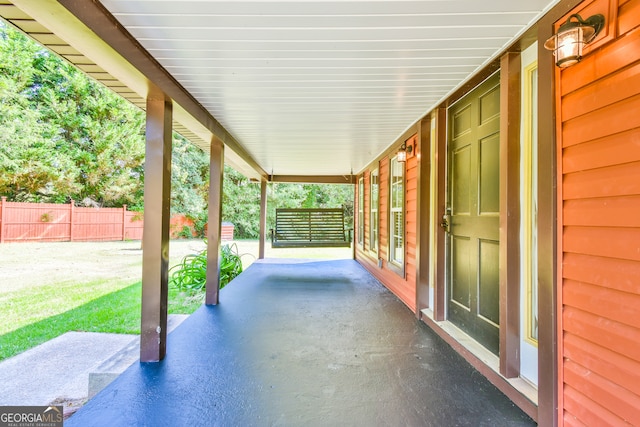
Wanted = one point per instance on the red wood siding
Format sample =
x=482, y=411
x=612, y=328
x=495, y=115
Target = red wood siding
x=403, y=287
x=411, y=226
x=600, y=225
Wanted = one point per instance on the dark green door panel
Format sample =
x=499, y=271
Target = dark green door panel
x=474, y=201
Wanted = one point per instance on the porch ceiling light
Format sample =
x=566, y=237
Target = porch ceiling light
x=404, y=150
x=571, y=37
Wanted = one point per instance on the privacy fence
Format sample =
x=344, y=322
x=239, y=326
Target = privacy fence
x=66, y=222
x=48, y=222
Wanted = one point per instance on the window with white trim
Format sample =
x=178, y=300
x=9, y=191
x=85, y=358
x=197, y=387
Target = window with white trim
x=396, y=213
x=374, y=195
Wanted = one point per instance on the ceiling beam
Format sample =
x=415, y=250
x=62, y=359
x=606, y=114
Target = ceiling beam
x=314, y=179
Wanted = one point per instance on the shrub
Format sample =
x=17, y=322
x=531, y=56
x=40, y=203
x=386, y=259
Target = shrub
x=190, y=275
x=185, y=233
x=230, y=263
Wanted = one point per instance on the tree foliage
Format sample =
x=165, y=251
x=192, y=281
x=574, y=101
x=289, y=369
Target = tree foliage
x=62, y=135
x=241, y=204
x=189, y=178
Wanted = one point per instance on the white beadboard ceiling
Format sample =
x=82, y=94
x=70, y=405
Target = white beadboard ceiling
x=322, y=87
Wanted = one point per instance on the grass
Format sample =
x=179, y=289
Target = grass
x=33, y=316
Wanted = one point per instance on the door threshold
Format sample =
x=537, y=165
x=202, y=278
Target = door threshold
x=521, y=392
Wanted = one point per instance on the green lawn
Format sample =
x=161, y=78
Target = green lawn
x=33, y=316
x=36, y=314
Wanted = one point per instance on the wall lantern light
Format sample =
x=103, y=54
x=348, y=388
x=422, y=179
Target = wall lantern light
x=571, y=37
x=404, y=151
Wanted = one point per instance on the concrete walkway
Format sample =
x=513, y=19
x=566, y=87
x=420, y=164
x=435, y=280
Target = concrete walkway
x=58, y=371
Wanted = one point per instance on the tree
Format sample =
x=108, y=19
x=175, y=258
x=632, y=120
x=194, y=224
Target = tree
x=241, y=204
x=101, y=132
x=189, y=179
x=31, y=168
x=62, y=134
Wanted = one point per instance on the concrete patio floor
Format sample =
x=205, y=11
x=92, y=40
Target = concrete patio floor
x=316, y=343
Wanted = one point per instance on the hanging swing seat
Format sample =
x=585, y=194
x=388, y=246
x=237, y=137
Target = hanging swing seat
x=310, y=228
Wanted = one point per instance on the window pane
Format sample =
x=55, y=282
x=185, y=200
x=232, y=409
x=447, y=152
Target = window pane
x=373, y=210
x=396, y=226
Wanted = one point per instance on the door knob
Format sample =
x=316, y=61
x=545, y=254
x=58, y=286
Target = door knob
x=446, y=220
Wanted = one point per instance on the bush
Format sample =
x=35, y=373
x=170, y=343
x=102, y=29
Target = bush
x=230, y=264
x=190, y=275
x=185, y=233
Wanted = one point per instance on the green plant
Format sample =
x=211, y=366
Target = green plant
x=186, y=232
x=200, y=224
x=190, y=275
x=230, y=263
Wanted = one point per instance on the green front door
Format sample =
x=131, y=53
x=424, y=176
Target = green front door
x=474, y=213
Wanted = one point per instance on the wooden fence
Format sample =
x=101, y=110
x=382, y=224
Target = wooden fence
x=50, y=222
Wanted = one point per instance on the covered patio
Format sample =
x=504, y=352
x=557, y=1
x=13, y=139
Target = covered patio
x=357, y=93
x=298, y=342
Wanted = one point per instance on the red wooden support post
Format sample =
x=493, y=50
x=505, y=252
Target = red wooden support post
x=2, y=219
x=71, y=219
x=124, y=221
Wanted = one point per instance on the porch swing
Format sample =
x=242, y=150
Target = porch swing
x=310, y=228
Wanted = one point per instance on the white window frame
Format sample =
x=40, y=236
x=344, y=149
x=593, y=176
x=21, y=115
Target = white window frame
x=374, y=211
x=396, y=213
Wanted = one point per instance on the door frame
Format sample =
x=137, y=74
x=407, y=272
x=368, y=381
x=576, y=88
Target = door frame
x=507, y=366
x=510, y=106
x=546, y=411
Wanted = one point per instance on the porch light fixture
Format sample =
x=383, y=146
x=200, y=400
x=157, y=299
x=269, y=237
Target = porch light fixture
x=404, y=150
x=568, y=42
